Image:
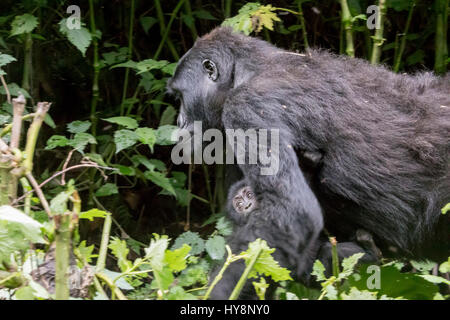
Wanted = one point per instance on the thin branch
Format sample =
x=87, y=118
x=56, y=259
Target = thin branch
x=8, y=94
x=39, y=193
x=84, y=165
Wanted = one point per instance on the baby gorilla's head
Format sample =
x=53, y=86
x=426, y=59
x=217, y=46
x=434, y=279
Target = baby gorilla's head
x=244, y=201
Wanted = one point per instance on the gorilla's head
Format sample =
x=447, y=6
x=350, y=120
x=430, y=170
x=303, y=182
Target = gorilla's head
x=206, y=75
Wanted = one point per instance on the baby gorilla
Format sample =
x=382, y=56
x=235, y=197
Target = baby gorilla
x=242, y=202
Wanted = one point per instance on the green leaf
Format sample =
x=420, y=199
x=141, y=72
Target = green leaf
x=25, y=23
x=28, y=226
x=224, y=226
x=161, y=180
x=24, y=293
x=192, y=239
x=120, y=250
x=97, y=158
x=147, y=136
x=194, y=274
x=147, y=23
x=138, y=159
x=127, y=122
x=265, y=264
x=150, y=64
x=423, y=266
x=445, y=266
x=15, y=90
x=348, y=265
x=107, y=190
x=165, y=135
x=81, y=140
x=178, y=293
x=129, y=64
x=176, y=259
x=170, y=68
x=81, y=38
x=168, y=116
x=435, y=279
x=85, y=251
x=165, y=278
x=319, y=271
x=56, y=141
x=394, y=283
x=215, y=247
x=6, y=59
x=120, y=283
x=126, y=171
x=156, y=251
x=446, y=208
x=261, y=287
x=78, y=126
x=203, y=14
x=356, y=294
x=93, y=213
x=124, y=139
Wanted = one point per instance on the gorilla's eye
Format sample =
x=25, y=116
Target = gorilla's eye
x=249, y=194
x=211, y=69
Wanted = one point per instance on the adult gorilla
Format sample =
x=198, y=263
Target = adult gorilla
x=384, y=141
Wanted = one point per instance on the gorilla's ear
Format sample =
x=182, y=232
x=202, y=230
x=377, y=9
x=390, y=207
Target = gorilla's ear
x=240, y=74
x=211, y=69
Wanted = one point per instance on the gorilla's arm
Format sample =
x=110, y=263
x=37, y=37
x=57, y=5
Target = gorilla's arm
x=289, y=217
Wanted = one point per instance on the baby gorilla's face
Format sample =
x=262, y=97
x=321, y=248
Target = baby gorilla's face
x=244, y=201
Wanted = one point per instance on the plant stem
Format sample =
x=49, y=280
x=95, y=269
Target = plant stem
x=162, y=25
x=378, y=38
x=187, y=7
x=219, y=276
x=101, y=261
x=129, y=54
x=32, y=134
x=441, y=55
x=227, y=12
x=28, y=63
x=240, y=285
x=208, y=188
x=346, y=19
x=26, y=187
x=116, y=291
x=167, y=30
x=62, y=254
x=335, y=259
x=398, y=56
x=302, y=23
x=95, y=86
x=188, y=210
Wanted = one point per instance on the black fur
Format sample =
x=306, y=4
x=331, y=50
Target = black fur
x=384, y=138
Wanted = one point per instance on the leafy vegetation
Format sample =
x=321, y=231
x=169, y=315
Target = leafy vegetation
x=91, y=189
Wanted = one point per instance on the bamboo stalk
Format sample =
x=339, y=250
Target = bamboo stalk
x=346, y=19
x=167, y=30
x=398, y=56
x=378, y=38
x=129, y=54
x=302, y=23
x=441, y=52
x=162, y=26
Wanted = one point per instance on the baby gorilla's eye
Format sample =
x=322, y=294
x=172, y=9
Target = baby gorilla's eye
x=249, y=195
